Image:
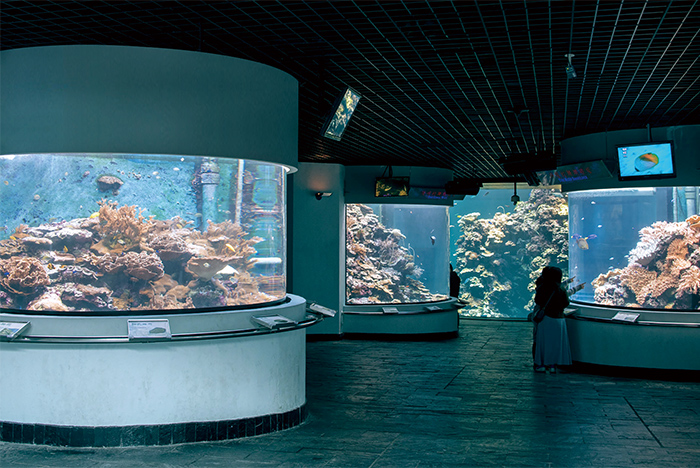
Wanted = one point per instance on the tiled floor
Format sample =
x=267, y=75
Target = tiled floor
x=468, y=401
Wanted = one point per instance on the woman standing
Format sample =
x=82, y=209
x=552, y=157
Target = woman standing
x=551, y=338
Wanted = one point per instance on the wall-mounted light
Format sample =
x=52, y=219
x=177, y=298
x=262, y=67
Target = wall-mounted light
x=320, y=195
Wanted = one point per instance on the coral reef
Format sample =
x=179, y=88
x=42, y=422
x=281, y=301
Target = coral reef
x=380, y=269
x=118, y=259
x=120, y=228
x=499, y=258
x=22, y=275
x=663, y=270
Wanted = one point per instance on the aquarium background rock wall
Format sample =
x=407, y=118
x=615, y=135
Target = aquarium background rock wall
x=499, y=249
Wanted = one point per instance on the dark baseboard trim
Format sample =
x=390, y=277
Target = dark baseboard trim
x=673, y=375
x=158, y=434
x=402, y=337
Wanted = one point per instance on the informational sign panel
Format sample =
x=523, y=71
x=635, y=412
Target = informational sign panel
x=319, y=309
x=625, y=317
x=149, y=330
x=273, y=322
x=11, y=330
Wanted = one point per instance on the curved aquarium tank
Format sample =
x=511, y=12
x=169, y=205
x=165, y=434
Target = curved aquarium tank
x=396, y=254
x=637, y=247
x=126, y=232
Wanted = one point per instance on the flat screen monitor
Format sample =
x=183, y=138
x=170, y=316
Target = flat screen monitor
x=391, y=187
x=343, y=108
x=646, y=161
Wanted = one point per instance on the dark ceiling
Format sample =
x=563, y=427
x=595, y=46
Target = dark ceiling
x=459, y=84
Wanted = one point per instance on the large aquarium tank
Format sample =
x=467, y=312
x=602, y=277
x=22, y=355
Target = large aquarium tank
x=498, y=249
x=396, y=254
x=127, y=232
x=636, y=247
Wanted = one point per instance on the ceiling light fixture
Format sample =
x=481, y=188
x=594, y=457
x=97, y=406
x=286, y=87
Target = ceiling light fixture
x=570, y=72
x=515, y=198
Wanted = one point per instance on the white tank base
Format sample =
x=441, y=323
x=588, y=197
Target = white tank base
x=221, y=376
x=654, y=340
x=438, y=320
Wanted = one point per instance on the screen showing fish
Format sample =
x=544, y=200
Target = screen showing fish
x=646, y=160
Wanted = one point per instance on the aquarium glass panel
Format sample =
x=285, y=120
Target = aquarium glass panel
x=636, y=247
x=116, y=232
x=396, y=254
x=498, y=250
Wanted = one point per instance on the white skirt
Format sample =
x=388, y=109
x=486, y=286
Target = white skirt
x=552, y=343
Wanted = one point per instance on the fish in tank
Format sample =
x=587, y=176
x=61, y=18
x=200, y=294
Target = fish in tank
x=396, y=254
x=96, y=232
x=499, y=255
x=647, y=252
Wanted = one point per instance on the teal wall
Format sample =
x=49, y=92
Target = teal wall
x=114, y=99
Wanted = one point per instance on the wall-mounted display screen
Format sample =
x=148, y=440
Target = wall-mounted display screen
x=646, y=161
x=391, y=187
x=344, y=107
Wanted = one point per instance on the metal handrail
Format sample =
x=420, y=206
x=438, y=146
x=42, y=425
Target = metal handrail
x=210, y=335
x=638, y=322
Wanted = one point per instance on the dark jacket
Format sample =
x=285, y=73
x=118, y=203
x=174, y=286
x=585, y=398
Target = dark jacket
x=559, y=302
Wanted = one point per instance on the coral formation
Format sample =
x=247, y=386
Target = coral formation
x=118, y=259
x=380, y=269
x=120, y=228
x=663, y=270
x=499, y=258
x=22, y=275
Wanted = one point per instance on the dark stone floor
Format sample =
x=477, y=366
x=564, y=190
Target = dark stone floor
x=468, y=401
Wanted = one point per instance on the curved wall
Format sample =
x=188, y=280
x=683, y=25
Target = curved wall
x=596, y=146
x=114, y=99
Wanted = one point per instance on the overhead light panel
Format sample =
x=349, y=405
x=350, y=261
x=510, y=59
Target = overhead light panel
x=339, y=117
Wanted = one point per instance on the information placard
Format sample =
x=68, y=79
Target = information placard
x=390, y=310
x=319, y=309
x=273, y=322
x=625, y=317
x=149, y=330
x=11, y=330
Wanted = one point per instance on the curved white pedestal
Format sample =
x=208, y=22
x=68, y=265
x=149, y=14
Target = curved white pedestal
x=657, y=340
x=220, y=377
x=411, y=320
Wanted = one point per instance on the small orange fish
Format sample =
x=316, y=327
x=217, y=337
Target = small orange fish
x=50, y=266
x=65, y=249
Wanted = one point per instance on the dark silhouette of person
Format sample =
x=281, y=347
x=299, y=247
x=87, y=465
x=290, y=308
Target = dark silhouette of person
x=551, y=338
x=455, y=283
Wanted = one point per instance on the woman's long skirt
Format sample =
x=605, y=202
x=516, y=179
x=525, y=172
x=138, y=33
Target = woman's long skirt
x=552, y=343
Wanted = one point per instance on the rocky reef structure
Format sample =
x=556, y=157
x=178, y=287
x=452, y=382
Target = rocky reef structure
x=117, y=259
x=663, y=270
x=380, y=269
x=499, y=258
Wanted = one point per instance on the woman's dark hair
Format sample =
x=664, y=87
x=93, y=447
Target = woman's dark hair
x=550, y=274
